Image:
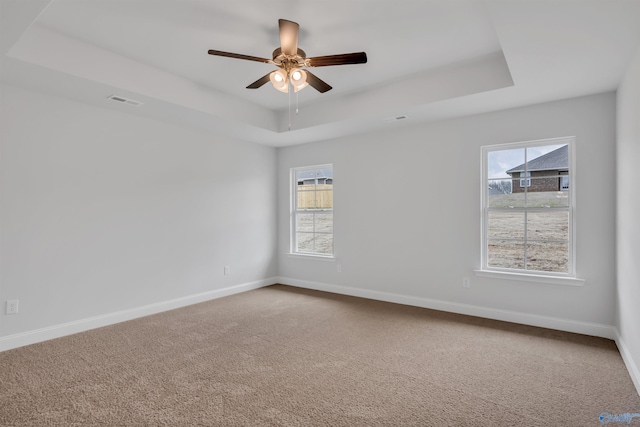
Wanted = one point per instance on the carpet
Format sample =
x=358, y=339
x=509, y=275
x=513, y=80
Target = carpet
x=282, y=356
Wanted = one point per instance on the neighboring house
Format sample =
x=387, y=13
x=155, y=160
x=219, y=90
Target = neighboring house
x=323, y=176
x=554, y=164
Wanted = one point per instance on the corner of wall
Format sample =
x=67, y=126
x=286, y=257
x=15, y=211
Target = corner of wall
x=632, y=366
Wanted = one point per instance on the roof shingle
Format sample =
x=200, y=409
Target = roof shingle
x=554, y=160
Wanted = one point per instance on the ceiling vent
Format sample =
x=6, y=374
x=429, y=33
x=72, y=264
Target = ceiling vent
x=395, y=119
x=125, y=100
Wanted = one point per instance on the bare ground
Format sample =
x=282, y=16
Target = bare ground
x=547, y=233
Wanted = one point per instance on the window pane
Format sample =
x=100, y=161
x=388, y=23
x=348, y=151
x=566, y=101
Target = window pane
x=306, y=199
x=324, y=222
x=547, y=199
x=552, y=225
x=527, y=207
x=306, y=187
x=306, y=179
x=501, y=161
x=540, y=158
x=324, y=244
x=513, y=200
x=505, y=254
x=314, y=176
x=324, y=198
x=304, y=242
x=315, y=199
x=525, y=180
x=543, y=181
x=304, y=222
x=313, y=216
x=550, y=173
x=505, y=224
x=498, y=187
x=548, y=256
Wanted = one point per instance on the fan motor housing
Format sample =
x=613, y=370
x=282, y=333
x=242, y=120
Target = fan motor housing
x=289, y=62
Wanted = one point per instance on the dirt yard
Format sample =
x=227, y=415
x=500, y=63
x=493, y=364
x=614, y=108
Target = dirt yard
x=547, y=247
x=323, y=241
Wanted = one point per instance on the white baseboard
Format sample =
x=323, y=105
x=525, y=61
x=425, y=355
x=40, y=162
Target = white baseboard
x=586, y=328
x=57, y=331
x=594, y=329
x=632, y=366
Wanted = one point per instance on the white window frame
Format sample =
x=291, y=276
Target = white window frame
x=525, y=179
x=568, y=278
x=564, y=178
x=294, y=211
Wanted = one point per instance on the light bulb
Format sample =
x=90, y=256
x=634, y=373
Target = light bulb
x=280, y=80
x=298, y=79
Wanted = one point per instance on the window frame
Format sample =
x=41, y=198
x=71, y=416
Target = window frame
x=568, y=277
x=293, y=246
x=564, y=178
x=525, y=179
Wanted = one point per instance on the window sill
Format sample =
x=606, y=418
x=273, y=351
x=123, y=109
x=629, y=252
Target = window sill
x=524, y=277
x=326, y=258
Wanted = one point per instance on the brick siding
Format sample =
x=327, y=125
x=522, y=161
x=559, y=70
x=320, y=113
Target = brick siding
x=546, y=184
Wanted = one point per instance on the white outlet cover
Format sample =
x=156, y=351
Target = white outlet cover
x=12, y=306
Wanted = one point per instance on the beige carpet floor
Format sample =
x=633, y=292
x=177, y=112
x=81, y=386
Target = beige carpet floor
x=280, y=356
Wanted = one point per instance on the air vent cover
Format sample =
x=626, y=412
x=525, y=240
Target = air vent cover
x=395, y=119
x=125, y=100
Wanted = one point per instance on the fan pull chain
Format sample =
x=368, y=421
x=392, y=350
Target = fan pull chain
x=296, y=103
x=289, y=93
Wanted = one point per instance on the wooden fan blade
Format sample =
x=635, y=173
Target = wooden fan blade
x=239, y=56
x=316, y=83
x=258, y=83
x=288, y=36
x=342, y=59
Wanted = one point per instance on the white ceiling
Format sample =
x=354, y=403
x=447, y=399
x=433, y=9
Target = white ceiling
x=428, y=60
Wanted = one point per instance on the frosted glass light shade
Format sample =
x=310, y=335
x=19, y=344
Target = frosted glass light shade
x=279, y=80
x=298, y=79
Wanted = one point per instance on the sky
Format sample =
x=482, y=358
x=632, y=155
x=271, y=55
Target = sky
x=501, y=161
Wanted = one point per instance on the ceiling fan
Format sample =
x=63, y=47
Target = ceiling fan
x=291, y=60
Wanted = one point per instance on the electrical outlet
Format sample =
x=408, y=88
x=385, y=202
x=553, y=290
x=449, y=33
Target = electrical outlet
x=227, y=270
x=339, y=268
x=12, y=306
x=466, y=283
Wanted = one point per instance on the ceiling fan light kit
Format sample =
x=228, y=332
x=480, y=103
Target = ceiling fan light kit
x=281, y=80
x=290, y=60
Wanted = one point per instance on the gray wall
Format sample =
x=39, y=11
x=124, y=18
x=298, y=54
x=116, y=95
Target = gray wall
x=416, y=232
x=628, y=214
x=104, y=211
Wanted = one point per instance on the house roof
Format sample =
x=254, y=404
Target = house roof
x=312, y=174
x=554, y=160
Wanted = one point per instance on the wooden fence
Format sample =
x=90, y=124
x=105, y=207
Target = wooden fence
x=315, y=196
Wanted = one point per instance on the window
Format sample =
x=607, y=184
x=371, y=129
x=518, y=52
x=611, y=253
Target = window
x=528, y=228
x=312, y=213
x=564, y=181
